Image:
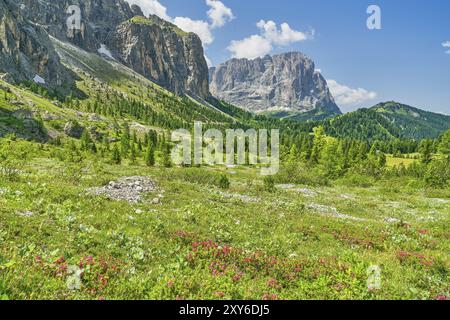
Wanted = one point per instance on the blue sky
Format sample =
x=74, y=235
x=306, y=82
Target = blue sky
x=408, y=60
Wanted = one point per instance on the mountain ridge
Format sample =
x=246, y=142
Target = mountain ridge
x=389, y=120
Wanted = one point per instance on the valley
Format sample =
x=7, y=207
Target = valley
x=94, y=207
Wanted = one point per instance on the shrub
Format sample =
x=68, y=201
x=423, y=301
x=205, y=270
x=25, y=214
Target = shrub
x=437, y=174
x=224, y=183
x=202, y=177
x=13, y=157
x=298, y=174
x=358, y=180
x=269, y=184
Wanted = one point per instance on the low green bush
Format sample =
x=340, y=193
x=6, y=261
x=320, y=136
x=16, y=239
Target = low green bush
x=297, y=174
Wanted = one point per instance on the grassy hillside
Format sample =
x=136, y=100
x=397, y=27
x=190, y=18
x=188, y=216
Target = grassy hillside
x=199, y=241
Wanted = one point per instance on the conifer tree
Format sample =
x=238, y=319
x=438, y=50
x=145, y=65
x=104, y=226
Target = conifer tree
x=116, y=157
x=133, y=153
x=150, y=155
x=444, y=145
x=87, y=144
x=293, y=154
x=166, y=156
x=426, y=151
x=318, y=143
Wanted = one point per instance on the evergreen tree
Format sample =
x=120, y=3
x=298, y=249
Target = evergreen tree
x=87, y=144
x=150, y=155
x=444, y=145
x=125, y=141
x=133, y=153
x=116, y=157
x=318, y=143
x=426, y=151
x=166, y=156
x=293, y=154
x=331, y=159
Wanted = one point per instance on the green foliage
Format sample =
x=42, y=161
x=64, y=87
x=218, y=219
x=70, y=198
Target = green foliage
x=438, y=174
x=202, y=177
x=357, y=180
x=13, y=157
x=166, y=156
x=426, y=151
x=388, y=121
x=116, y=156
x=444, y=144
x=224, y=183
x=300, y=174
x=269, y=184
x=150, y=155
x=87, y=144
x=133, y=155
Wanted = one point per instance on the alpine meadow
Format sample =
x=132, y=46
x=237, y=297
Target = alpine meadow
x=303, y=201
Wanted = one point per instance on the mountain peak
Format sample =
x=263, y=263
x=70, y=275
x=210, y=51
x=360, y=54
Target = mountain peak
x=286, y=82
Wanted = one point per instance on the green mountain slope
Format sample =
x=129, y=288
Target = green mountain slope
x=386, y=121
x=318, y=114
x=107, y=92
x=413, y=122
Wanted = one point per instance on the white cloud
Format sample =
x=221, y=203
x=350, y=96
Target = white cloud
x=219, y=14
x=151, y=7
x=200, y=27
x=446, y=44
x=270, y=35
x=280, y=37
x=252, y=47
x=349, y=97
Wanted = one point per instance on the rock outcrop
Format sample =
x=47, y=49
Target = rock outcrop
x=151, y=46
x=163, y=53
x=282, y=83
x=26, y=52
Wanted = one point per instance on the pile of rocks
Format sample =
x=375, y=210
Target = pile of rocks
x=128, y=188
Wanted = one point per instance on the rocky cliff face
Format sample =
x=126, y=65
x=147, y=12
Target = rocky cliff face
x=285, y=82
x=99, y=19
x=153, y=47
x=163, y=53
x=26, y=51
